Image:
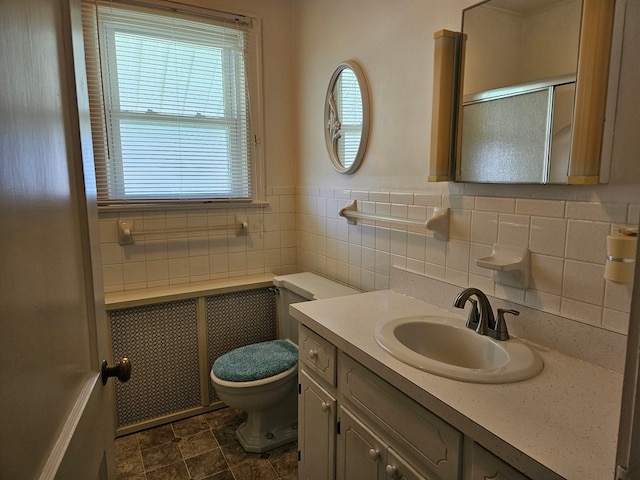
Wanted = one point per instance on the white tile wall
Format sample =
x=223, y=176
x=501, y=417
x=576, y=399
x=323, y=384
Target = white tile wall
x=301, y=230
x=566, y=240
x=178, y=258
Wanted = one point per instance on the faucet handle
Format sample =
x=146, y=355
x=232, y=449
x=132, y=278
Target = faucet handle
x=501, y=332
x=473, y=319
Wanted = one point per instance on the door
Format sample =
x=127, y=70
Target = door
x=361, y=454
x=317, y=430
x=56, y=416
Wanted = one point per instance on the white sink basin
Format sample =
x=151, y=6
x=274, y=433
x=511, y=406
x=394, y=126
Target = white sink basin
x=441, y=346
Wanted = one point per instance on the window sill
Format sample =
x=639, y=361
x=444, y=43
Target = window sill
x=182, y=206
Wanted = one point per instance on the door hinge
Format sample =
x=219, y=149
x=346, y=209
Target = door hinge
x=621, y=473
x=299, y=389
x=299, y=455
x=338, y=427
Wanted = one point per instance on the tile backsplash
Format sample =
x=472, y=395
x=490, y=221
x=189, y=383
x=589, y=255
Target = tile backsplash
x=300, y=229
x=567, y=240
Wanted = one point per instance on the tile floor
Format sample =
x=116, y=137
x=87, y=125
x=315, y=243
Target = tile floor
x=201, y=447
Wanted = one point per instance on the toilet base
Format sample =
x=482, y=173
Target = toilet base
x=257, y=442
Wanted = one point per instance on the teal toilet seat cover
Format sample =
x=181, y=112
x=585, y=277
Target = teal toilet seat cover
x=256, y=361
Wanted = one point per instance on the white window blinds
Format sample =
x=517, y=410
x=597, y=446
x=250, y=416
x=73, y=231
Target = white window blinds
x=169, y=100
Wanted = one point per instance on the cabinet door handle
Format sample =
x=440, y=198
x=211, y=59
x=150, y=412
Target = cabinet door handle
x=324, y=406
x=374, y=454
x=392, y=471
x=312, y=354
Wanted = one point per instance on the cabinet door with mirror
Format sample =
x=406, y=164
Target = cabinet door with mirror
x=531, y=91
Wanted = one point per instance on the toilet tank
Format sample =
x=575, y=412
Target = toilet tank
x=302, y=287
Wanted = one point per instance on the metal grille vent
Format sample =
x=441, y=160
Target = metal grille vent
x=161, y=341
x=237, y=319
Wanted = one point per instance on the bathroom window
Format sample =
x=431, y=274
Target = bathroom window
x=170, y=96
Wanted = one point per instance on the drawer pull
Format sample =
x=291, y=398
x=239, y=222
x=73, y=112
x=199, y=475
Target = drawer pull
x=312, y=354
x=374, y=454
x=324, y=406
x=392, y=471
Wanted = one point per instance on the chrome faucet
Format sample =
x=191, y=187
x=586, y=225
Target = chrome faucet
x=482, y=320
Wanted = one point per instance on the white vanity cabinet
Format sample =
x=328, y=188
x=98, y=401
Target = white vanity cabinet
x=355, y=426
x=417, y=439
x=346, y=413
x=317, y=407
x=363, y=455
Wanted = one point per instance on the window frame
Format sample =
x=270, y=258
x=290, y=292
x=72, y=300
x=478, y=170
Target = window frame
x=254, y=73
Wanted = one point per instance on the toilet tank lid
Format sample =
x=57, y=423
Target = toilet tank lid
x=312, y=286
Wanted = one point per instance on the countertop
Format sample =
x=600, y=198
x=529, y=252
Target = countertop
x=144, y=296
x=564, y=420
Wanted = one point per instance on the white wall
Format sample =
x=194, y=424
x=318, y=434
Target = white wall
x=393, y=43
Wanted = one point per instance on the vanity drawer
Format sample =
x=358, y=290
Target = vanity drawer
x=414, y=431
x=480, y=464
x=318, y=355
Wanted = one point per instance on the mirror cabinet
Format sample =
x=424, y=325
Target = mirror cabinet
x=346, y=117
x=520, y=93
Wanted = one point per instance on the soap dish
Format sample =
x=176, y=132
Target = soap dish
x=509, y=265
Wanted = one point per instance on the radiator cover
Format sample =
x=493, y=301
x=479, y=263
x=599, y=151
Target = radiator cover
x=161, y=341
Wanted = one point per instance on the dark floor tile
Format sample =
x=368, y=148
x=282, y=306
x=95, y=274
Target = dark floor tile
x=208, y=445
x=234, y=453
x=126, y=448
x=128, y=458
x=206, y=464
x=130, y=470
x=175, y=471
x=226, y=434
x=190, y=426
x=225, y=475
x=160, y=456
x=197, y=444
x=284, y=460
x=293, y=476
x=140, y=476
x=155, y=436
x=225, y=416
x=256, y=469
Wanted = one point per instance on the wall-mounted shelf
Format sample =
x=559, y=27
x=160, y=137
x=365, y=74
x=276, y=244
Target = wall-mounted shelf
x=127, y=229
x=437, y=224
x=509, y=265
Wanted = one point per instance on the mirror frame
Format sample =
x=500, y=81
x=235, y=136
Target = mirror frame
x=364, y=136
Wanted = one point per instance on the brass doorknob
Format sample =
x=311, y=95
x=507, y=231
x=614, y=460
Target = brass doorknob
x=122, y=371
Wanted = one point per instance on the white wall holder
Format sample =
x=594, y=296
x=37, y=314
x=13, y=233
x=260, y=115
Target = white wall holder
x=509, y=265
x=127, y=229
x=437, y=224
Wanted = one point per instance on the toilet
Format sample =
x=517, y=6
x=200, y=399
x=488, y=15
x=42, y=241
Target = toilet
x=262, y=378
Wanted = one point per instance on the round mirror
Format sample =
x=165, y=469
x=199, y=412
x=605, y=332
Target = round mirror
x=346, y=117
